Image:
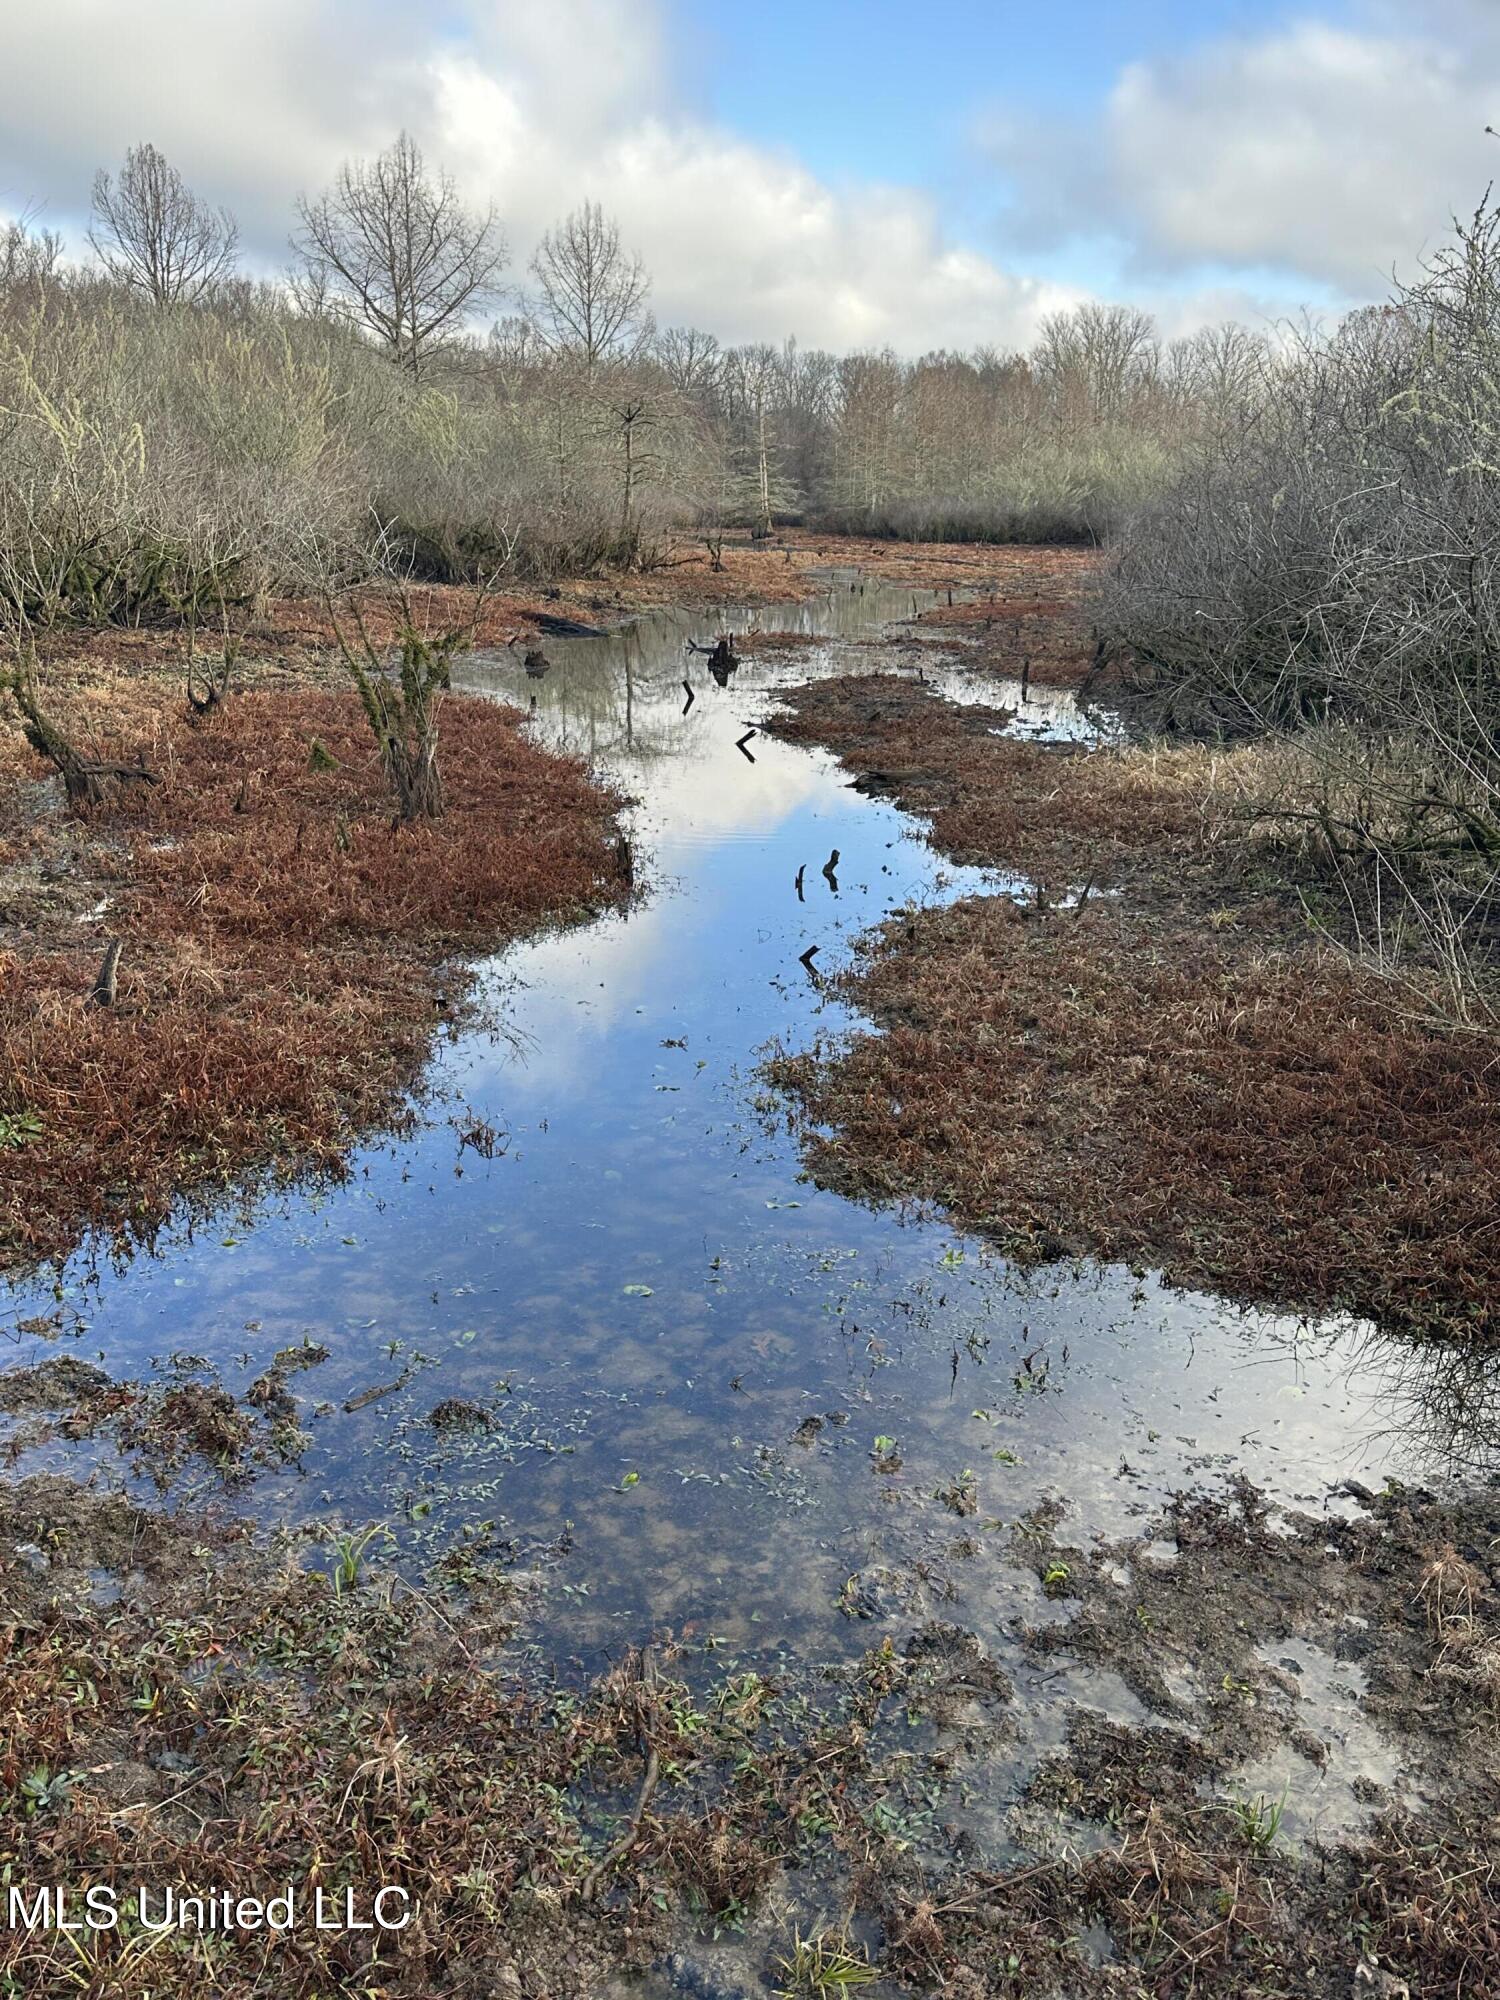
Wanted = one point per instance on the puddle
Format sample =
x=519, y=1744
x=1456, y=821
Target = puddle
x=1332, y=1776
x=646, y=1300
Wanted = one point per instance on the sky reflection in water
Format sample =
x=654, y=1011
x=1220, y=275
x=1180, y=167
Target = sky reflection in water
x=642, y=1152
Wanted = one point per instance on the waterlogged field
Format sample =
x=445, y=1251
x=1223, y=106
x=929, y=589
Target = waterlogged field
x=591, y=1326
x=649, y=1341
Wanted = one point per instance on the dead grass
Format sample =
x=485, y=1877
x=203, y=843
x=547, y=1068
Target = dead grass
x=1184, y=1076
x=280, y=978
x=296, y=632
x=1060, y=817
x=240, y=1719
x=1032, y=615
x=253, y=1715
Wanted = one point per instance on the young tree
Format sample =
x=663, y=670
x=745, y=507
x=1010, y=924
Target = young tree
x=393, y=249
x=753, y=379
x=27, y=255
x=151, y=232
x=593, y=293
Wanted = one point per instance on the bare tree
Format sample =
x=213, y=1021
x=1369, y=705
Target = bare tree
x=151, y=232
x=689, y=358
x=394, y=250
x=27, y=255
x=753, y=377
x=593, y=293
x=1095, y=356
x=515, y=350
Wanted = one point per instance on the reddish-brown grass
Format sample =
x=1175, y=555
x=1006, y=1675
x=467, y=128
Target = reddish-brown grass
x=1059, y=815
x=1033, y=614
x=1260, y=1124
x=1183, y=1075
x=785, y=572
x=278, y=985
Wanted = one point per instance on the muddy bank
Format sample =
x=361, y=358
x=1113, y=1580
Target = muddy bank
x=288, y=951
x=1151, y=1056
x=191, y=1705
x=684, y=1581
x=293, y=635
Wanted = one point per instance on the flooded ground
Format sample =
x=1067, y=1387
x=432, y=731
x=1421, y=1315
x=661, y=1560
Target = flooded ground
x=696, y=1391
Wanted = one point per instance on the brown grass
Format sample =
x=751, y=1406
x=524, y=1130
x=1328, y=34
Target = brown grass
x=278, y=984
x=236, y=1718
x=1033, y=613
x=1183, y=1076
x=1061, y=817
x=787, y=571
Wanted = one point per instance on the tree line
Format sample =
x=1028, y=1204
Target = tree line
x=421, y=392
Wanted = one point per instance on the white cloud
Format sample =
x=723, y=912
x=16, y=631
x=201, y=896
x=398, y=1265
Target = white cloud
x=1235, y=174
x=536, y=104
x=1332, y=152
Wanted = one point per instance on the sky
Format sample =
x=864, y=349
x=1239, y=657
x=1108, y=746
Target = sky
x=856, y=175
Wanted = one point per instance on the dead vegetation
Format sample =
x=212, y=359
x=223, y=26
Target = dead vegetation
x=1186, y=1074
x=283, y=940
x=264, y=1714
x=1030, y=617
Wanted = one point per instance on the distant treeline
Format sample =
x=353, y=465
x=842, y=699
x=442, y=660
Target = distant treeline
x=172, y=432
x=1305, y=532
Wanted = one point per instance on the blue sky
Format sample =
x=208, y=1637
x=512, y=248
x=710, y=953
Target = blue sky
x=884, y=89
x=878, y=90
x=855, y=174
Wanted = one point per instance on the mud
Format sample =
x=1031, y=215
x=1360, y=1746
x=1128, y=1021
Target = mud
x=684, y=1580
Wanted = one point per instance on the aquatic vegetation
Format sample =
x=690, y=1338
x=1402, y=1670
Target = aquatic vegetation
x=1259, y=1819
x=820, y=1964
x=350, y=1552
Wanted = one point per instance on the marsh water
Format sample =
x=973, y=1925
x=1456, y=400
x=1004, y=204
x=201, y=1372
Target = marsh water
x=650, y=1301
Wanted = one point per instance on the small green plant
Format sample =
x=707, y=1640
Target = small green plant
x=822, y=1963
x=18, y=1128
x=1259, y=1819
x=1055, y=1579
x=44, y=1790
x=348, y=1551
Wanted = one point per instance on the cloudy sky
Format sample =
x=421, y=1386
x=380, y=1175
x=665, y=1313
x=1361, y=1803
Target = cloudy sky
x=855, y=173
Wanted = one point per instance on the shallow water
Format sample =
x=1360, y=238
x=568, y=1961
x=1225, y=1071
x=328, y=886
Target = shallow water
x=651, y=1299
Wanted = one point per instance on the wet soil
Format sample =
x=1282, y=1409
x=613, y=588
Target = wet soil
x=1152, y=1055
x=1297, y=1799
x=685, y=1581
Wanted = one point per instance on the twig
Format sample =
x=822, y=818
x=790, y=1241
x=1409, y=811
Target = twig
x=628, y=1838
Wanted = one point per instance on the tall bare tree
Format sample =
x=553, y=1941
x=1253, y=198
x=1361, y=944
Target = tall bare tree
x=392, y=248
x=1096, y=357
x=593, y=293
x=753, y=379
x=152, y=232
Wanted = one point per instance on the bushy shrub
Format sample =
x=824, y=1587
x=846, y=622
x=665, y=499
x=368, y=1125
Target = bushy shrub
x=1329, y=558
